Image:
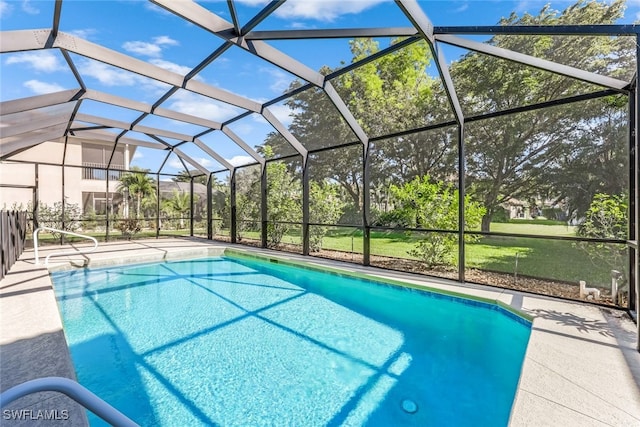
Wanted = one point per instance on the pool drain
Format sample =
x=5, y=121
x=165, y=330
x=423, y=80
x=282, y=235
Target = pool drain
x=409, y=406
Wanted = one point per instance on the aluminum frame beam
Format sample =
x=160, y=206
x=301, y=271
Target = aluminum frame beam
x=32, y=125
x=21, y=40
x=331, y=33
x=532, y=61
x=418, y=18
x=13, y=145
x=190, y=160
x=345, y=113
x=562, y=30
x=247, y=149
x=117, y=124
x=162, y=132
x=103, y=121
x=423, y=24
x=198, y=143
x=260, y=16
x=292, y=140
x=38, y=101
x=148, y=108
x=126, y=62
x=105, y=136
x=207, y=20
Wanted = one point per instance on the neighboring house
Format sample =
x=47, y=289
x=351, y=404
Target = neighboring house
x=92, y=185
x=519, y=209
x=84, y=180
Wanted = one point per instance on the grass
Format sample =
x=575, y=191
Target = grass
x=534, y=229
x=550, y=259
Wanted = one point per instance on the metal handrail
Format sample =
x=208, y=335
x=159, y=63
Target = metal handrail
x=73, y=390
x=46, y=260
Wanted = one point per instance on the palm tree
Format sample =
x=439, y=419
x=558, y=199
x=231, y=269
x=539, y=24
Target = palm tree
x=180, y=203
x=136, y=182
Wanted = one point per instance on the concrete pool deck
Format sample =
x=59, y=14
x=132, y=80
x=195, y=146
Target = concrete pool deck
x=581, y=367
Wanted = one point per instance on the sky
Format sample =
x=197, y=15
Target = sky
x=150, y=33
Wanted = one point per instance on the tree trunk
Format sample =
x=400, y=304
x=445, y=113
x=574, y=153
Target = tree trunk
x=486, y=222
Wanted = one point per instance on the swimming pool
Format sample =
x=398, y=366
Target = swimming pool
x=235, y=341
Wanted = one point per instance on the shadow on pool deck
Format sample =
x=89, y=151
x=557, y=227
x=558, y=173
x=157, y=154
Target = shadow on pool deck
x=38, y=351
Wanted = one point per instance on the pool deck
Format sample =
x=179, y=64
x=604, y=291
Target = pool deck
x=581, y=367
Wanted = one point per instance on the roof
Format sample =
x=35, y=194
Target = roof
x=193, y=138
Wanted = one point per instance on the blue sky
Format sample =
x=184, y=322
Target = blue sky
x=149, y=33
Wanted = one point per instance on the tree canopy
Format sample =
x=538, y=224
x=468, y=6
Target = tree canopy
x=563, y=154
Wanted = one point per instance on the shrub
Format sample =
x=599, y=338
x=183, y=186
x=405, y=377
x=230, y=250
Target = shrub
x=52, y=216
x=434, y=205
x=128, y=227
x=606, y=218
x=327, y=209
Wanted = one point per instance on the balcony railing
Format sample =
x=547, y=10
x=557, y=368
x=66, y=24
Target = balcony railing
x=98, y=171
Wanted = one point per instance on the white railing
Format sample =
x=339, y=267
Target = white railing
x=55, y=230
x=72, y=389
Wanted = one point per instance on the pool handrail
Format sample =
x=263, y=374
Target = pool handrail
x=73, y=390
x=46, y=260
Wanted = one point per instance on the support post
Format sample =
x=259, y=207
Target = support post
x=461, y=194
x=232, y=191
x=158, y=225
x=107, y=209
x=263, y=206
x=36, y=200
x=634, y=122
x=63, y=204
x=632, y=203
x=209, y=207
x=191, y=207
x=366, y=185
x=305, y=205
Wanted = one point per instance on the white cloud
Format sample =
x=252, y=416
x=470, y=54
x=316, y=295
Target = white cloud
x=462, y=7
x=41, y=88
x=240, y=160
x=106, y=74
x=5, y=8
x=165, y=40
x=204, y=162
x=167, y=65
x=153, y=50
x=323, y=10
x=109, y=75
x=253, y=3
x=242, y=129
x=29, y=8
x=155, y=8
x=298, y=25
x=143, y=48
x=282, y=113
x=83, y=33
x=137, y=155
x=319, y=10
x=189, y=103
x=43, y=60
x=280, y=79
x=175, y=163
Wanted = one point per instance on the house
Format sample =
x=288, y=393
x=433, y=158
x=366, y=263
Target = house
x=83, y=180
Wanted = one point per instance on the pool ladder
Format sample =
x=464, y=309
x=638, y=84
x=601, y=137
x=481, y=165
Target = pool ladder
x=46, y=260
x=73, y=390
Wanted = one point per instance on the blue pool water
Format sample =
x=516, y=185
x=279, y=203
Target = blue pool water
x=235, y=342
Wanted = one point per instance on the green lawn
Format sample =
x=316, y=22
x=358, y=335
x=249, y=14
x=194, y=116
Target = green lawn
x=551, y=259
x=533, y=229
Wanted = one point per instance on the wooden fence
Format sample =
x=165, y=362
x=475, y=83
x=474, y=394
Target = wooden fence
x=13, y=233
